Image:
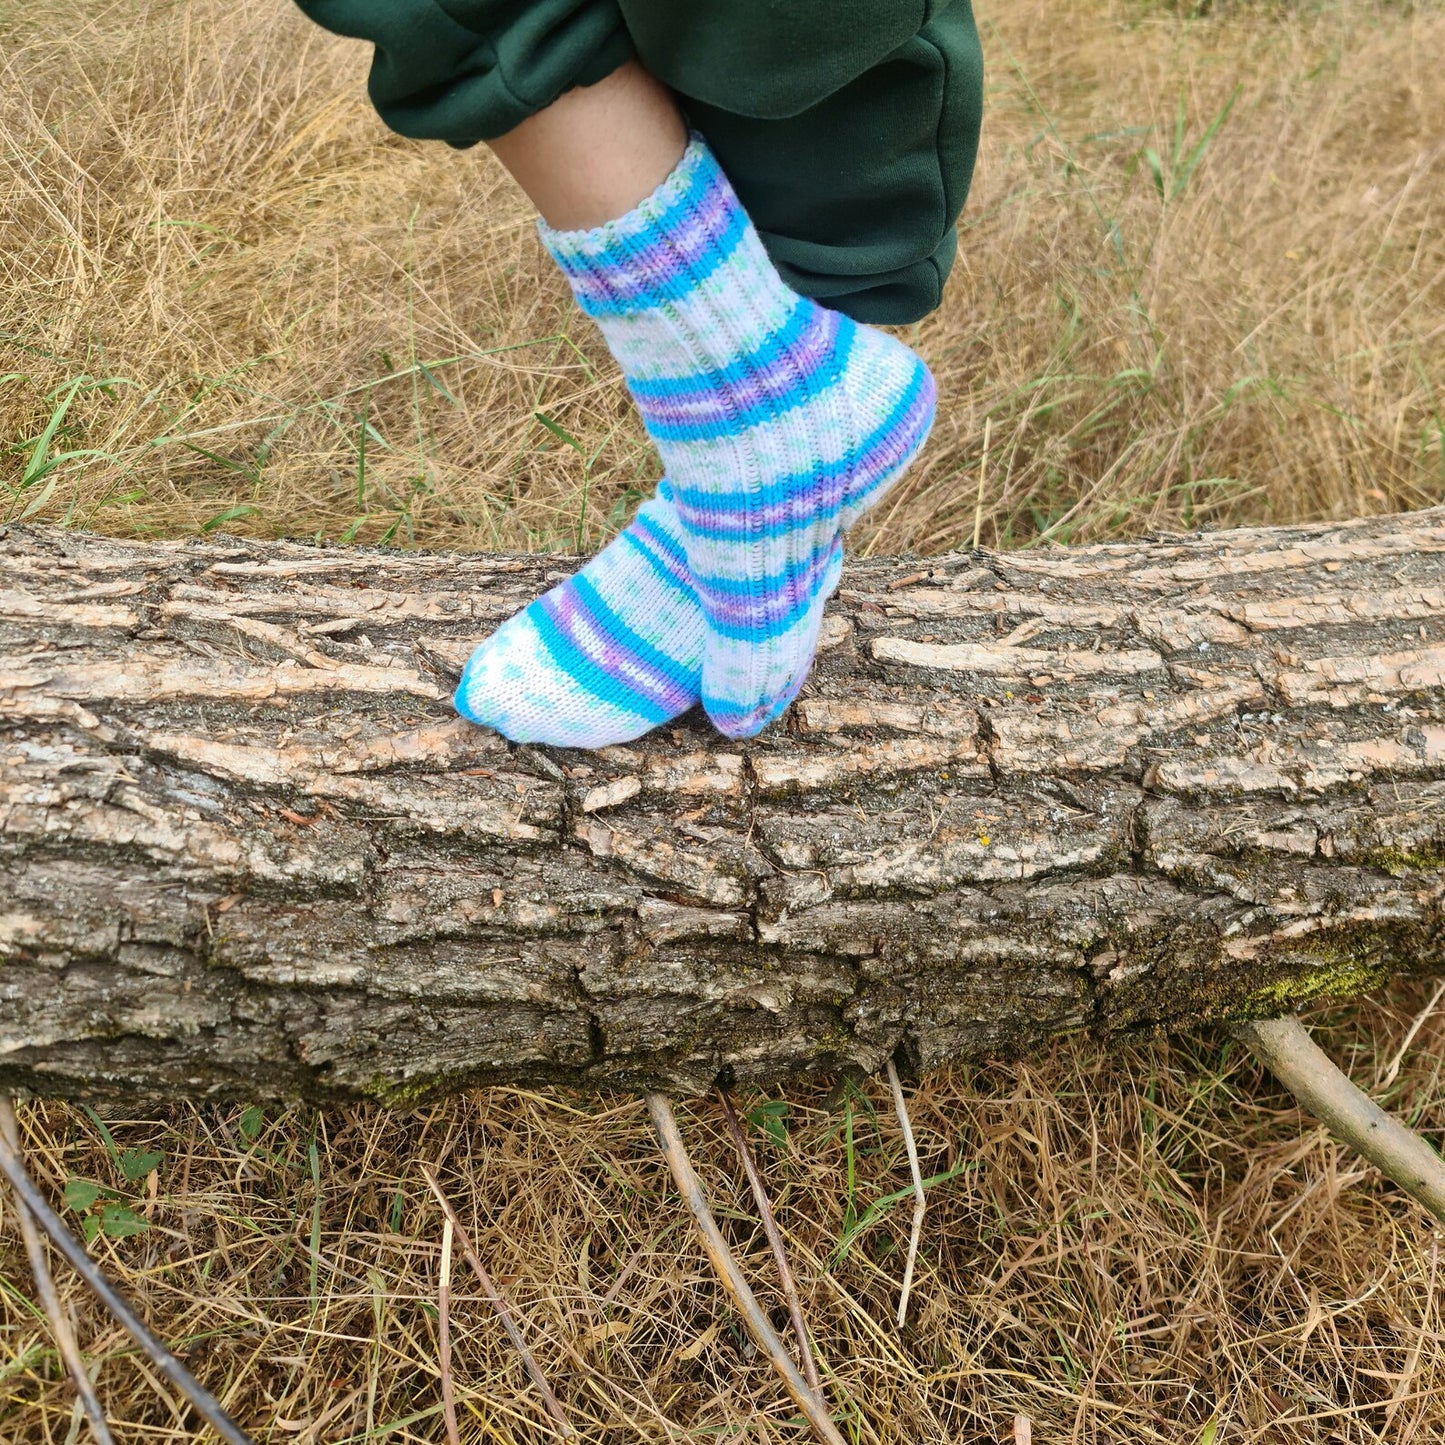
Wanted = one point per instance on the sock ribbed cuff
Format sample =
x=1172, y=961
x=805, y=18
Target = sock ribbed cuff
x=661, y=248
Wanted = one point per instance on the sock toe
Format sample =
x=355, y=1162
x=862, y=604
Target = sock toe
x=603, y=657
x=510, y=684
x=893, y=388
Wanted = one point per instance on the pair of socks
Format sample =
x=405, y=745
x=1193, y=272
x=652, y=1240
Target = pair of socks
x=778, y=422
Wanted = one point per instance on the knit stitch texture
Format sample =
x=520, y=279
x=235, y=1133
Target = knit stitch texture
x=605, y=656
x=778, y=421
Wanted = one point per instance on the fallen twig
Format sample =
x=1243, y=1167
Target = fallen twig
x=775, y=1239
x=920, y=1199
x=503, y=1310
x=1392, y=1072
x=982, y=473
x=444, y=1333
x=48, y=1220
x=64, y=1336
x=690, y=1187
x=1400, y=1154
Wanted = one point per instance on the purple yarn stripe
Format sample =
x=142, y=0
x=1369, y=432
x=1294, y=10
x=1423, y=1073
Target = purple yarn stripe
x=708, y=402
x=778, y=603
x=739, y=516
x=611, y=654
x=626, y=272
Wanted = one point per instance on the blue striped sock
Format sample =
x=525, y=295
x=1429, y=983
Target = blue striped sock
x=603, y=657
x=778, y=421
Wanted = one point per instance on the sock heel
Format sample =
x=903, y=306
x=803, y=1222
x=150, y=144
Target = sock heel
x=894, y=399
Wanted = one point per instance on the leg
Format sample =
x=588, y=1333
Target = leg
x=778, y=422
x=617, y=649
x=596, y=152
x=737, y=378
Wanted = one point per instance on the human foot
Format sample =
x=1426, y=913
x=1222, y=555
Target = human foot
x=605, y=656
x=779, y=422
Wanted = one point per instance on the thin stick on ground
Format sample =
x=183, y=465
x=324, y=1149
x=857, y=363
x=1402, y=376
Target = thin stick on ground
x=444, y=1333
x=780, y=1253
x=48, y=1220
x=1393, y=1071
x=920, y=1199
x=498, y=1302
x=982, y=474
x=64, y=1336
x=1401, y=1155
x=669, y=1139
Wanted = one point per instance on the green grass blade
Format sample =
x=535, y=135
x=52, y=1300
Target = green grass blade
x=1181, y=181
x=37, y=501
x=241, y=509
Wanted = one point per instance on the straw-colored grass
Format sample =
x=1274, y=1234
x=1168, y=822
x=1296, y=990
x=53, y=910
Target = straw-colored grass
x=219, y=275
x=1143, y=1247
x=222, y=275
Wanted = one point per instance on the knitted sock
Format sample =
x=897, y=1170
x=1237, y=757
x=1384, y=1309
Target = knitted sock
x=605, y=656
x=779, y=422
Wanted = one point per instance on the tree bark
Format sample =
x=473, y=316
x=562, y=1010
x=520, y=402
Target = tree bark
x=247, y=851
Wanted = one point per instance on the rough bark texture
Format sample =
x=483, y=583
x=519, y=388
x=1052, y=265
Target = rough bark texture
x=246, y=850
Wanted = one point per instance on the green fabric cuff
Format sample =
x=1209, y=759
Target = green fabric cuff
x=466, y=71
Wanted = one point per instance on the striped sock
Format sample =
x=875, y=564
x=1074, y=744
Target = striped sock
x=779, y=422
x=605, y=656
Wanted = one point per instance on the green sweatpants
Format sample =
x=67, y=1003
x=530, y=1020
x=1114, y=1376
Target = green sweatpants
x=848, y=127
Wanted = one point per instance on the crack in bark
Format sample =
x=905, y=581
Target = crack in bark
x=1006, y=822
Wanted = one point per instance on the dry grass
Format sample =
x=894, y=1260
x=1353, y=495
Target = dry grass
x=198, y=211
x=198, y=208
x=1128, y=1249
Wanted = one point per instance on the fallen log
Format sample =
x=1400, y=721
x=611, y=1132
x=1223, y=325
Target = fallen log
x=247, y=851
